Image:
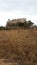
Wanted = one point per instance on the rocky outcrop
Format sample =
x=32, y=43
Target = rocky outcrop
x=16, y=23
x=13, y=23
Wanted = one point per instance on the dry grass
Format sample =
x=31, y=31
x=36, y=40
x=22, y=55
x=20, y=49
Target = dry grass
x=18, y=47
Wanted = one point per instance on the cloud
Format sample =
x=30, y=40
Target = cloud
x=24, y=5
x=17, y=9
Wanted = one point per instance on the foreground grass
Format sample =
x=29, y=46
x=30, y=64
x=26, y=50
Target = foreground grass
x=18, y=47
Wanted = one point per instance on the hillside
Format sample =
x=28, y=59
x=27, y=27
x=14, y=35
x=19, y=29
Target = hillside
x=18, y=47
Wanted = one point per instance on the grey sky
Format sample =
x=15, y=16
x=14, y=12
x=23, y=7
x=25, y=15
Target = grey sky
x=18, y=8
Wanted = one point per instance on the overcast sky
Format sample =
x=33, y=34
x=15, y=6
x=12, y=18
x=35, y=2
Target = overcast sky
x=10, y=9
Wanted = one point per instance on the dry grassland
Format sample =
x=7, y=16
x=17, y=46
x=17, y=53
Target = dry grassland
x=18, y=47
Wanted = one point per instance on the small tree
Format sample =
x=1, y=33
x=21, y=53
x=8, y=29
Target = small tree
x=30, y=24
x=2, y=28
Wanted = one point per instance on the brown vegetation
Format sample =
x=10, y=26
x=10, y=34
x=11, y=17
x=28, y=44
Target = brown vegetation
x=18, y=47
